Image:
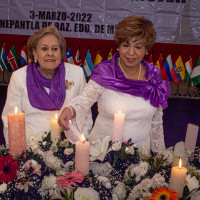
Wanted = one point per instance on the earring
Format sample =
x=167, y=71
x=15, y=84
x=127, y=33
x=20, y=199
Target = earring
x=117, y=49
x=35, y=60
x=146, y=53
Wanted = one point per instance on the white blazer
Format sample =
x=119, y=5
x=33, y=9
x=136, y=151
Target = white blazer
x=37, y=121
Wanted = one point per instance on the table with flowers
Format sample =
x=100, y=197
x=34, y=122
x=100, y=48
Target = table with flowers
x=117, y=171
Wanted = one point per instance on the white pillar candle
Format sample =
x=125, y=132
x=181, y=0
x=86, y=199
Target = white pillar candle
x=55, y=129
x=82, y=151
x=16, y=133
x=118, y=127
x=177, y=179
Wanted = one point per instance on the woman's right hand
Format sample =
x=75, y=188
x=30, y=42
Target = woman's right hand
x=66, y=115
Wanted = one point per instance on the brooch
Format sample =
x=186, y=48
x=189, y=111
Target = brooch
x=68, y=84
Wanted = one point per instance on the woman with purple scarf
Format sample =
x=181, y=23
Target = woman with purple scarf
x=45, y=86
x=129, y=84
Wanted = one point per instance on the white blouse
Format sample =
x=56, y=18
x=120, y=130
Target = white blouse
x=143, y=122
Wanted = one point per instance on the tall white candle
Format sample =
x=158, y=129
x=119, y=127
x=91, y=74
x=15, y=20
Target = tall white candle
x=191, y=136
x=82, y=153
x=118, y=127
x=177, y=179
x=16, y=133
x=55, y=129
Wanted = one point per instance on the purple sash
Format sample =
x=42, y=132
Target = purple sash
x=109, y=75
x=37, y=94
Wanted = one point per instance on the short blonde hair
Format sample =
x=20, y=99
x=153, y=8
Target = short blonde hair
x=136, y=27
x=33, y=40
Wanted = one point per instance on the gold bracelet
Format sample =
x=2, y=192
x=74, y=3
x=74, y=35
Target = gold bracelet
x=71, y=110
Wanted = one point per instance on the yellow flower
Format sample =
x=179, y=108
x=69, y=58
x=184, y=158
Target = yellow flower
x=162, y=193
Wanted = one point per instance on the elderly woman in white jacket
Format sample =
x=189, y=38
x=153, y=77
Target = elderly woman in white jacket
x=45, y=86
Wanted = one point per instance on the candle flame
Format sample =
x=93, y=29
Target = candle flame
x=180, y=163
x=15, y=109
x=56, y=117
x=83, y=138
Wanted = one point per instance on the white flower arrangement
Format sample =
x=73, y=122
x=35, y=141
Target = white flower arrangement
x=117, y=171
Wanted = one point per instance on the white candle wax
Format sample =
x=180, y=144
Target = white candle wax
x=16, y=133
x=177, y=179
x=55, y=129
x=191, y=136
x=118, y=127
x=82, y=157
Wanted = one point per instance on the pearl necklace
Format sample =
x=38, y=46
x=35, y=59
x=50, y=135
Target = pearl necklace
x=124, y=72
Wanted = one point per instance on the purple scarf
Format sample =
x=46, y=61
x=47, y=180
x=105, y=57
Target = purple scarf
x=109, y=75
x=36, y=82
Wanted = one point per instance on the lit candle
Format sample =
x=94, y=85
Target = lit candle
x=118, y=127
x=55, y=129
x=82, y=152
x=16, y=133
x=177, y=179
x=176, y=161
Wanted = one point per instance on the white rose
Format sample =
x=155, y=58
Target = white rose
x=146, y=183
x=116, y=146
x=130, y=150
x=3, y=187
x=68, y=151
x=68, y=164
x=158, y=180
x=86, y=193
x=105, y=181
x=49, y=182
x=128, y=175
x=168, y=154
x=41, y=153
x=120, y=190
x=101, y=169
x=143, y=152
x=52, y=161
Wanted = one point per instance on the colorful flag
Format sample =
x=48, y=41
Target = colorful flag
x=110, y=54
x=12, y=61
x=98, y=58
x=196, y=73
x=3, y=58
x=88, y=65
x=188, y=72
x=69, y=57
x=24, y=55
x=178, y=71
x=77, y=60
x=159, y=62
x=150, y=59
x=167, y=67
